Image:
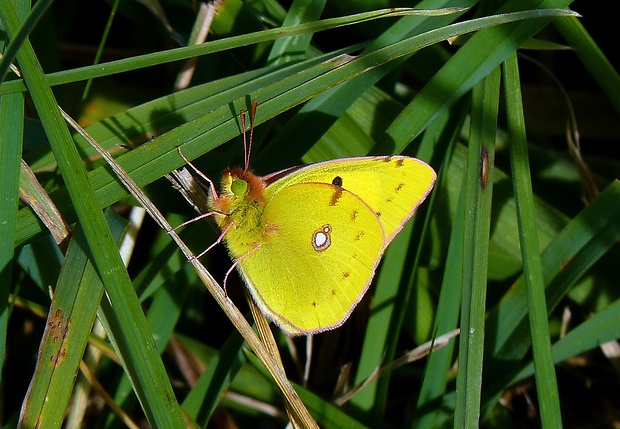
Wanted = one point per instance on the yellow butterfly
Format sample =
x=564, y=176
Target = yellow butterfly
x=307, y=240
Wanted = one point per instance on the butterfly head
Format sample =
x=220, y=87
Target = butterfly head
x=239, y=187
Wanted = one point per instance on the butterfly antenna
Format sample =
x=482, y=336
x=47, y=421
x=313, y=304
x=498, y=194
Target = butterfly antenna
x=247, y=144
x=252, y=121
x=246, y=152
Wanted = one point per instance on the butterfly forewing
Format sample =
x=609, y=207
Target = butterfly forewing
x=392, y=186
x=320, y=247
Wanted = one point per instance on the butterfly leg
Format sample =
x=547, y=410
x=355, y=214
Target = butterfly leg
x=215, y=243
x=192, y=220
x=237, y=262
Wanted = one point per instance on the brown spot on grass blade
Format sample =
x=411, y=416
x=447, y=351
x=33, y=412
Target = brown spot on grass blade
x=484, y=168
x=59, y=357
x=55, y=335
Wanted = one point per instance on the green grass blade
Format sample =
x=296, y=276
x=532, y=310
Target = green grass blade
x=139, y=124
x=31, y=20
x=546, y=383
x=592, y=57
x=294, y=48
x=597, y=330
x=319, y=114
x=165, y=308
x=11, y=136
x=327, y=415
x=478, y=183
x=478, y=57
x=71, y=316
x=11, y=142
x=566, y=260
x=378, y=338
x=206, y=394
x=435, y=380
x=151, y=161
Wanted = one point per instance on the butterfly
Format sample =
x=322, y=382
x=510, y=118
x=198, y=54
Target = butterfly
x=307, y=240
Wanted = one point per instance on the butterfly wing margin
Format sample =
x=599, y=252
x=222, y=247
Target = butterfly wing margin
x=317, y=258
x=393, y=186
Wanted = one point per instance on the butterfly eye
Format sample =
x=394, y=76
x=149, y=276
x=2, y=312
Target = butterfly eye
x=239, y=187
x=337, y=181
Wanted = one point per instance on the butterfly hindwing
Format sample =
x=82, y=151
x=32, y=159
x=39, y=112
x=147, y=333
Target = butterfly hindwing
x=320, y=247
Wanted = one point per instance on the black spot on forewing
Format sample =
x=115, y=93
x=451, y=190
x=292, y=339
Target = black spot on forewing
x=336, y=195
